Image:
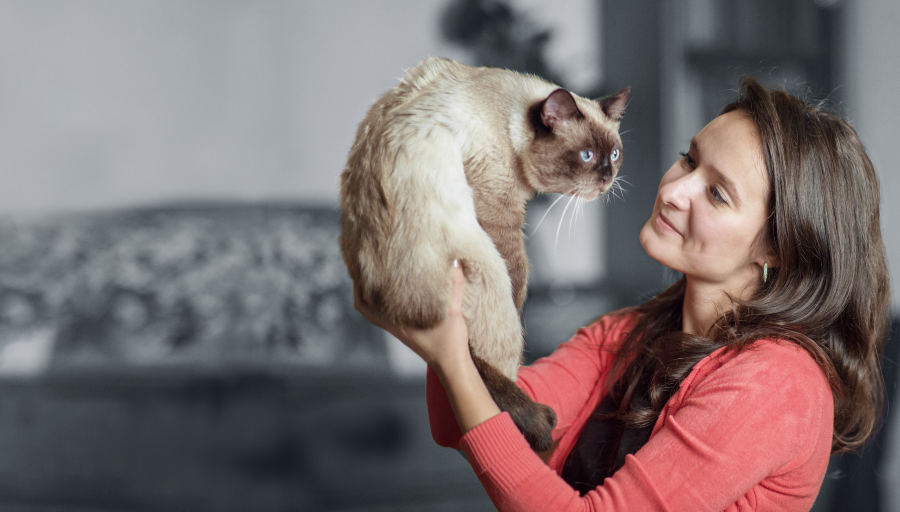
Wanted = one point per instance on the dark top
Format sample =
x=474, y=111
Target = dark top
x=605, y=441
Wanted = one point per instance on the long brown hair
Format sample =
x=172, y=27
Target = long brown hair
x=829, y=294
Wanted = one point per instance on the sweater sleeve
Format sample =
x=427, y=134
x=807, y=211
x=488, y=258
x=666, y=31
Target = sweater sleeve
x=564, y=380
x=761, y=415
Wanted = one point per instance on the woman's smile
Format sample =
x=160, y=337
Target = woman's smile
x=666, y=224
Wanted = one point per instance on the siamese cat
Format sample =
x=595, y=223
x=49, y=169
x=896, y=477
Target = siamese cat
x=441, y=169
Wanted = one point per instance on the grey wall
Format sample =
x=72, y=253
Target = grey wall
x=106, y=103
x=872, y=66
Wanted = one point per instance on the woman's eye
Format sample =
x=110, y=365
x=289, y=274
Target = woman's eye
x=688, y=159
x=716, y=195
x=614, y=155
x=587, y=155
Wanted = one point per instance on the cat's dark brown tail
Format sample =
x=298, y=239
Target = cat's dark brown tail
x=535, y=420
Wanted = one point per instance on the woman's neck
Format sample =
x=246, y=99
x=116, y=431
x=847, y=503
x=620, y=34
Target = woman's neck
x=703, y=303
x=697, y=313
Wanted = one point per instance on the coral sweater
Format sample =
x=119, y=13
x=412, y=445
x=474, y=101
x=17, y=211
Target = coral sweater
x=745, y=431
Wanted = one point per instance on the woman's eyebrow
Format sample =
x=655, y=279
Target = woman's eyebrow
x=726, y=181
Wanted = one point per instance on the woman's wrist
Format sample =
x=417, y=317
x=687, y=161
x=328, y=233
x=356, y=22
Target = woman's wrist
x=450, y=363
x=471, y=402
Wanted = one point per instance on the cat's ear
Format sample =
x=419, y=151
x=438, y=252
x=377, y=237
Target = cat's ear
x=558, y=108
x=614, y=104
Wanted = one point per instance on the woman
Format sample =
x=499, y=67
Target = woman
x=729, y=390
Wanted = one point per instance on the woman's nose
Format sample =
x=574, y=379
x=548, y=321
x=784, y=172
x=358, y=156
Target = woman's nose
x=679, y=192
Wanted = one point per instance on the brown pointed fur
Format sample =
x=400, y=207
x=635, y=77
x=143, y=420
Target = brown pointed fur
x=441, y=169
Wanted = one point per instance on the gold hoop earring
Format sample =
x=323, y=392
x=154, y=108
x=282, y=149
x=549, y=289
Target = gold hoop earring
x=765, y=272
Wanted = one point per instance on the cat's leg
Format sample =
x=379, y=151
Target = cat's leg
x=495, y=335
x=511, y=245
x=535, y=420
x=495, y=331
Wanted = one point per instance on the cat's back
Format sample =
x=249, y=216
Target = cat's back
x=453, y=94
x=425, y=88
x=435, y=74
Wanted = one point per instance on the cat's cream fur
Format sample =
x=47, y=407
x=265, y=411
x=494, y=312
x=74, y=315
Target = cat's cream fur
x=441, y=169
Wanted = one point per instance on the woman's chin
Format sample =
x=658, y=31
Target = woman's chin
x=649, y=240
x=656, y=247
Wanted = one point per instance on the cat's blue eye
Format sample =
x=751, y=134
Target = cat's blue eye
x=587, y=155
x=614, y=155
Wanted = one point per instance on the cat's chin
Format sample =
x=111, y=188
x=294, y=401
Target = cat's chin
x=590, y=195
x=586, y=194
x=595, y=194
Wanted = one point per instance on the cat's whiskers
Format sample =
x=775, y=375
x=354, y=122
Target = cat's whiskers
x=574, y=214
x=620, y=189
x=616, y=189
x=583, y=204
x=577, y=213
x=561, y=219
x=621, y=179
x=548, y=211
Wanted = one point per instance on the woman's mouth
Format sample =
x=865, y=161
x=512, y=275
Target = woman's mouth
x=665, y=224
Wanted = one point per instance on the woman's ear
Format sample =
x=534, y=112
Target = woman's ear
x=765, y=257
x=770, y=259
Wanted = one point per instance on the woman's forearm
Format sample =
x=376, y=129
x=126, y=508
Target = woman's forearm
x=471, y=402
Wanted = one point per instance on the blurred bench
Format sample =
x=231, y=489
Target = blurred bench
x=203, y=357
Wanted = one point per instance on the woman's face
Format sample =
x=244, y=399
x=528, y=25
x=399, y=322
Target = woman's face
x=711, y=208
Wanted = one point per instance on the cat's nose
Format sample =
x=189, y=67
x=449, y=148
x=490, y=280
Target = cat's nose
x=606, y=174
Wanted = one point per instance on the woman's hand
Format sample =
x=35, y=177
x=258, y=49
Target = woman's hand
x=443, y=344
x=445, y=347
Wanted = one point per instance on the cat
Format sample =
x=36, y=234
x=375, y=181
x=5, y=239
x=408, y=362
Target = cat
x=442, y=168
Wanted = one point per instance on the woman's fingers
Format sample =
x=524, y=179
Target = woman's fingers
x=457, y=288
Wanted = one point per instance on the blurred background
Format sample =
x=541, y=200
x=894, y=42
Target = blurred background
x=176, y=323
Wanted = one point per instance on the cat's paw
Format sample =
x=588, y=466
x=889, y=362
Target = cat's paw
x=535, y=420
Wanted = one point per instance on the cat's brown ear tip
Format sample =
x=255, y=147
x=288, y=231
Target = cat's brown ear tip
x=614, y=104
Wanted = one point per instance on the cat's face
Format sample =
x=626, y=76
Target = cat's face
x=576, y=148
